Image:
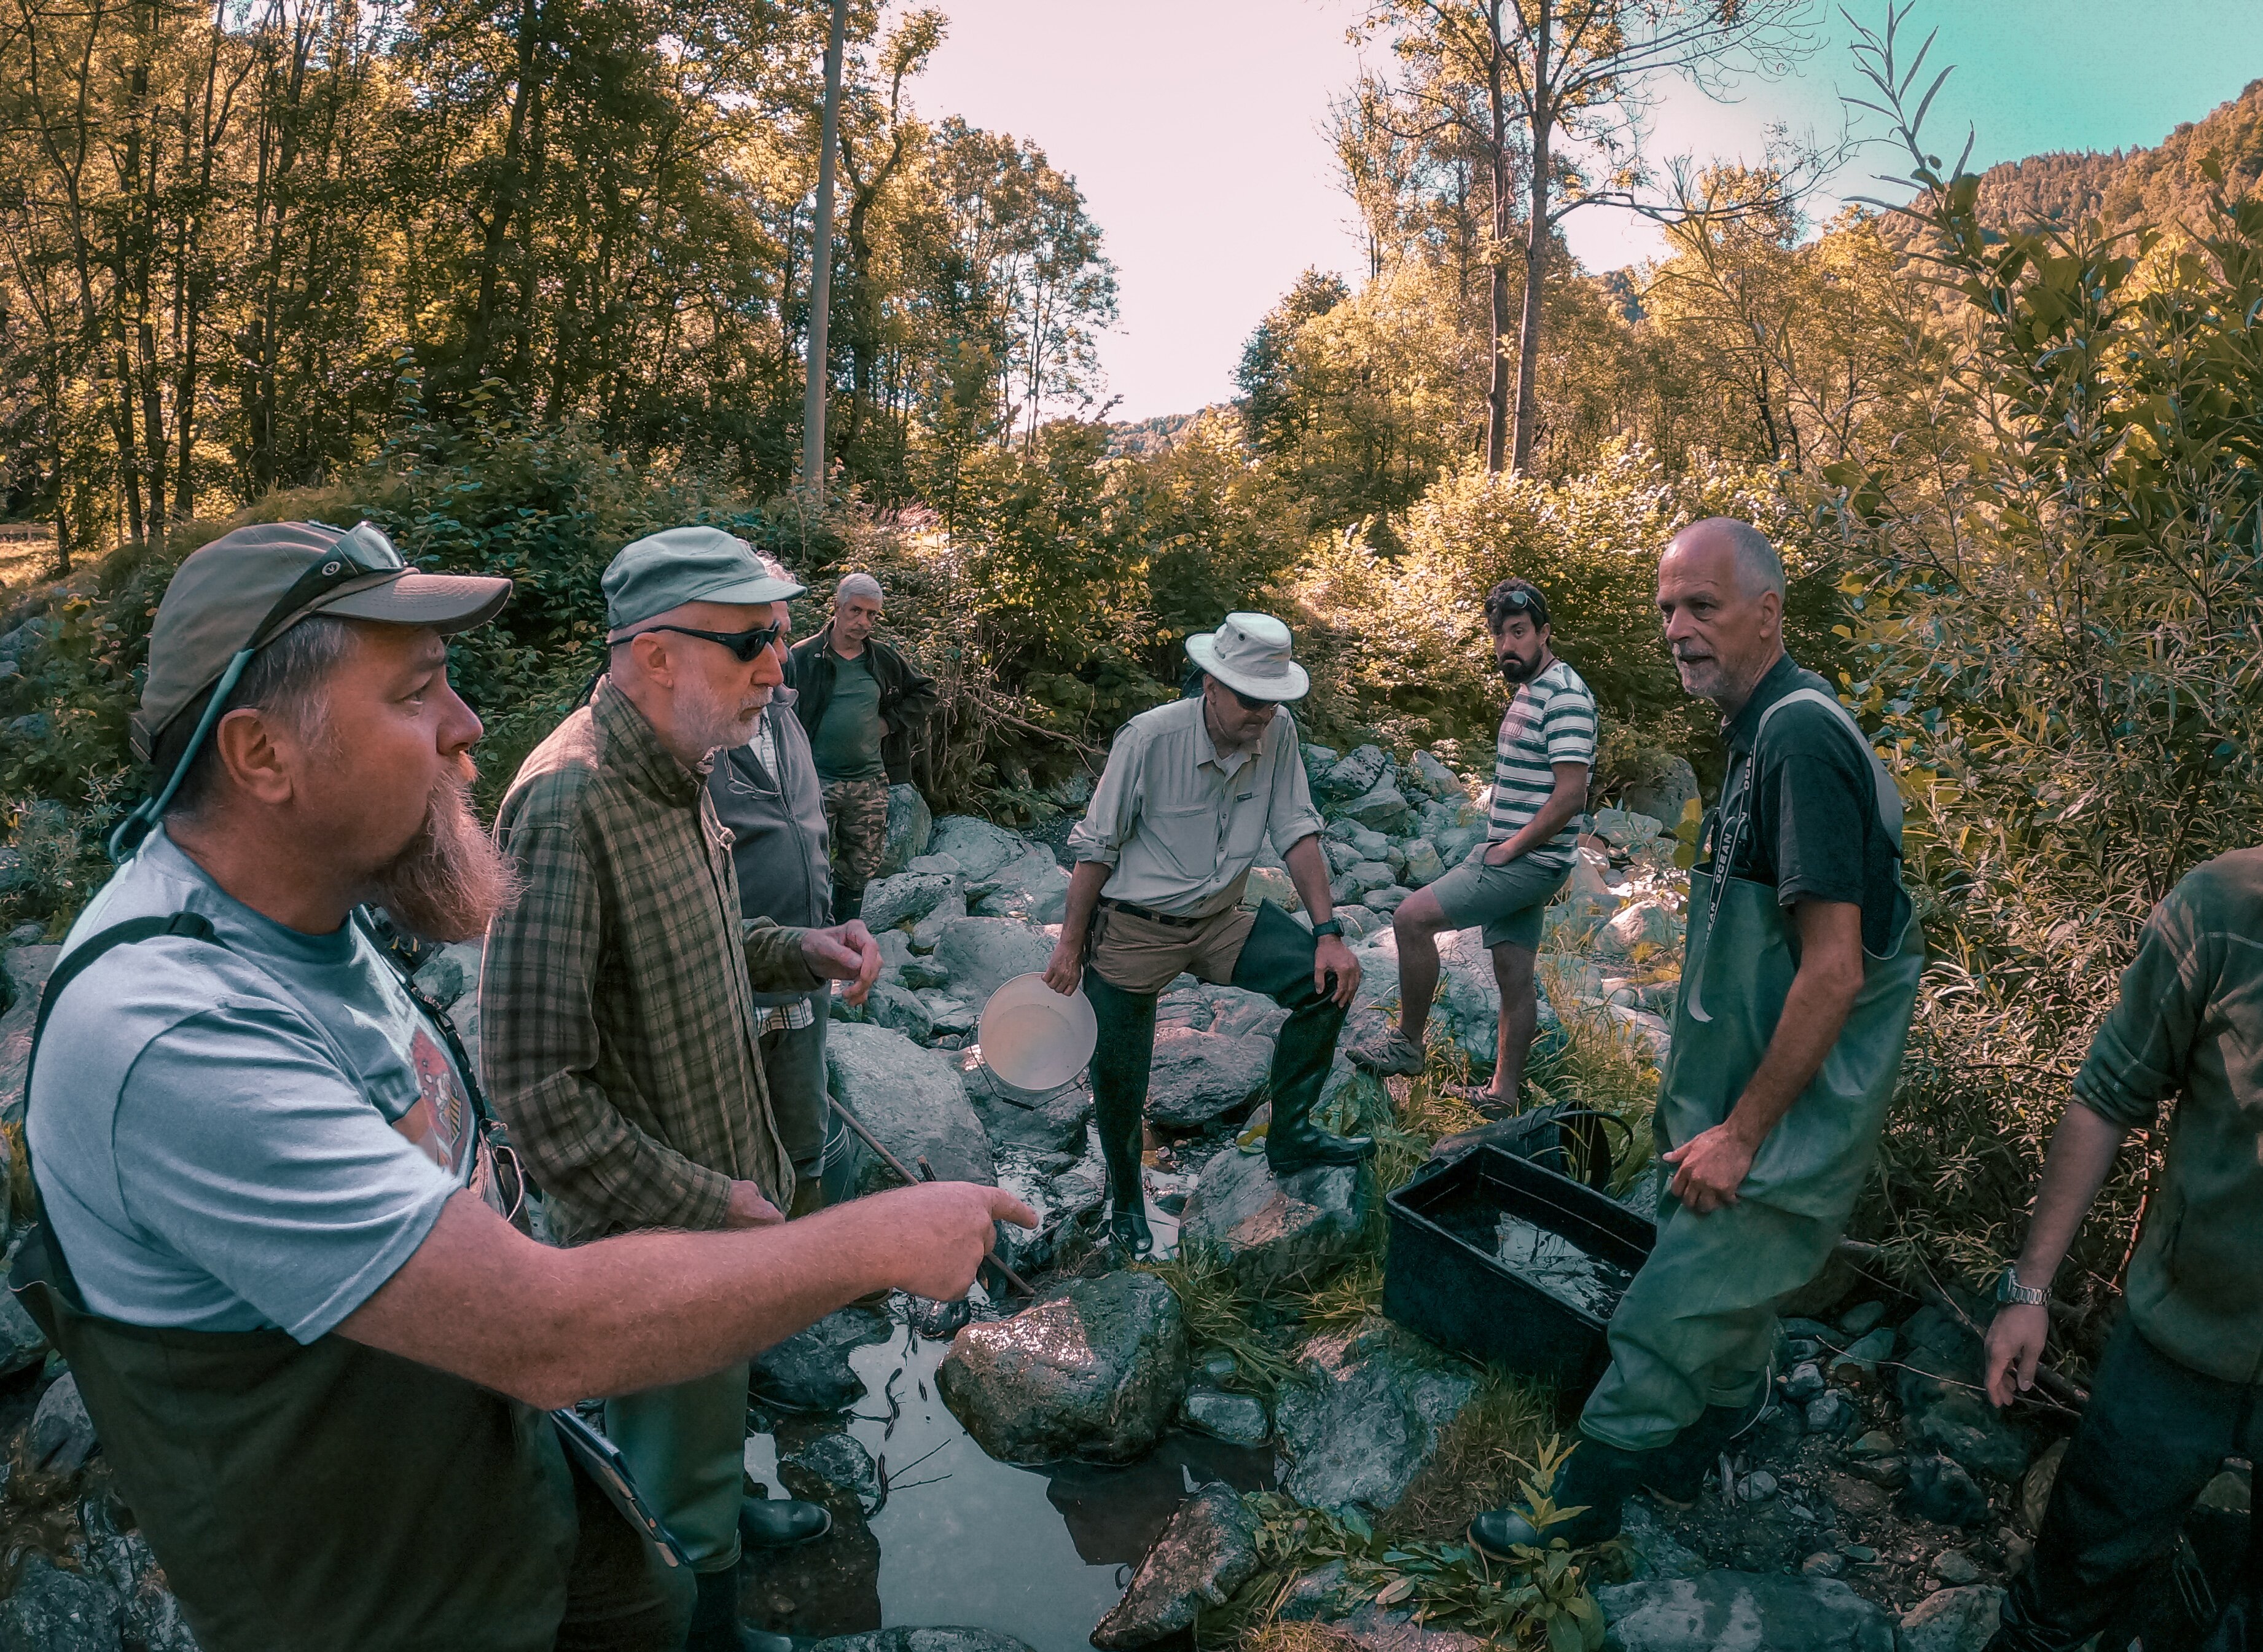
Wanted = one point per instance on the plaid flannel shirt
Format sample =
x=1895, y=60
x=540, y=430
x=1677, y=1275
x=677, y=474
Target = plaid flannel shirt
x=617, y=1036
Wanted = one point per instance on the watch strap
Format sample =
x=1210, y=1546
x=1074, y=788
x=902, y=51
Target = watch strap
x=1328, y=926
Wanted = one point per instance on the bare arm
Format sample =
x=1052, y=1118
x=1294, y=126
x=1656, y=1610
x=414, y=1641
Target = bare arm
x=1066, y=967
x=1568, y=797
x=2081, y=1154
x=1308, y=870
x=1712, y=1165
x=549, y=1327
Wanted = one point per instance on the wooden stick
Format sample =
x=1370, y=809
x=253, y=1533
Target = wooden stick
x=897, y=1165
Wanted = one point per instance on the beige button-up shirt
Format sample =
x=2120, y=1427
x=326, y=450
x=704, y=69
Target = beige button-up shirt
x=1182, y=823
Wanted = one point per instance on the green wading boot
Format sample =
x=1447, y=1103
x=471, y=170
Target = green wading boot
x=1277, y=961
x=1678, y=1471
x=779, y=1523
x=1595, y=1479
x=1122, y=1054
x=715, y=1626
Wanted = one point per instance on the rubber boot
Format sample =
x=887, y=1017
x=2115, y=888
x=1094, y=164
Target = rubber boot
x=780, y=1523
x=1678, y=1471
x=1594, y=1479
x=715, y=1626
x=1122, y=1055
x=847, y=901
x=1277, y=961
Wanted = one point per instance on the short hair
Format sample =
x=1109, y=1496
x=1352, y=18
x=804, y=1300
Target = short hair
x=284, y=680
x=857, y=585
x=1759, y=568
x=1515, y=595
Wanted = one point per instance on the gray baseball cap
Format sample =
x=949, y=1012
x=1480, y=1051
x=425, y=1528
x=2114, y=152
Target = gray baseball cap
x=247, y=587
x=667, y=570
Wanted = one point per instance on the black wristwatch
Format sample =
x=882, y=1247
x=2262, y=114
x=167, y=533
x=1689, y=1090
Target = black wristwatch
x=1328, y=926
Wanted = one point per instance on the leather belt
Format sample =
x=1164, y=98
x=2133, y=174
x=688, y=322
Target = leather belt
x=1168, y=919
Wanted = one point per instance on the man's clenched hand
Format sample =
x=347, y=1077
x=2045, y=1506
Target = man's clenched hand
x=847, y=952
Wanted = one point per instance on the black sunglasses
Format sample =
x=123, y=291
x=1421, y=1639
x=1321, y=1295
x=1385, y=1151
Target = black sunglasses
x=1250, y=702
x=745, y=646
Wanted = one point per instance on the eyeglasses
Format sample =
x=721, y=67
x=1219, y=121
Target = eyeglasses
x=746, y=645
x=1249, y=702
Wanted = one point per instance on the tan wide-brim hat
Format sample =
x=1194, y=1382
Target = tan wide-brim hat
x=1250, y=652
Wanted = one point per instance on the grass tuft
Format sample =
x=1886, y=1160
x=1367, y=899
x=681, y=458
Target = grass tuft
x=1495, y=1442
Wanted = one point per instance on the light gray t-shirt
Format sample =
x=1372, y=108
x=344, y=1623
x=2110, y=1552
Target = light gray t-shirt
x=235, y=1136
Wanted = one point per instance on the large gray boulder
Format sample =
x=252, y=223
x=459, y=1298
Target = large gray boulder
x=1047, y=1124
x=980, y=848
x=23, y=971
x=1667, y=787
x=893, y=1005
x=1742, y=1611
x=948, y=1638
x=1207, y=1552
x=905, y=898
x=1199, y=1078
x=54, y=1611
x=1360, y=769
x=1363, y=1413
x=911, y=1099
x=1953, y=1619
x=1031, y=886
x=980, y=954
x=23, y=1344
x=1092, y=1369
x=909, y=823
x=1383, y=808
x=1274, y=1230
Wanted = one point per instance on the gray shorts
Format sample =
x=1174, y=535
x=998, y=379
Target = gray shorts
x=1509, y=901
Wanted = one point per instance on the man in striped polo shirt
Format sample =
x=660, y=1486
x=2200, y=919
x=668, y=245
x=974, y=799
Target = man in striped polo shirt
x=1541, y=762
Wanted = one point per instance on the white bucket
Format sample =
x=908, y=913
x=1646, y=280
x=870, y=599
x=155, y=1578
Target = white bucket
x=1033, y=1038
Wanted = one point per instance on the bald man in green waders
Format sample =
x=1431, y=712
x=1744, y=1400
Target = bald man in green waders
x=1795, y=1003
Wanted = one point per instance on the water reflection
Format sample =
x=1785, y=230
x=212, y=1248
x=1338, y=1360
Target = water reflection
x=1038, y=1553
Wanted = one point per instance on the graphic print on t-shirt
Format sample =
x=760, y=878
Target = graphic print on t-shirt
x=439, y=1120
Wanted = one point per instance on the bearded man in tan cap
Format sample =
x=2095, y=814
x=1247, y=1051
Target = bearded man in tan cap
x=1190, y=793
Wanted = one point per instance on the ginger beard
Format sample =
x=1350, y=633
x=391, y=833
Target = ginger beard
x=451, y=879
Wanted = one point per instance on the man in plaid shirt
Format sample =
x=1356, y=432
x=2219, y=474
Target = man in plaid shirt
x=619, y=1033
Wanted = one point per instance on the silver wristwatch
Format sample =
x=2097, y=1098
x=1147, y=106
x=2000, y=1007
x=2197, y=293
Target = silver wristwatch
x=2009, y=1290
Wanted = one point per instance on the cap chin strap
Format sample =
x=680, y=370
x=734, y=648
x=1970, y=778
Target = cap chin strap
x=127, y=838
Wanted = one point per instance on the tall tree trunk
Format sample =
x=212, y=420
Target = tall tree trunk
x=1535, y=250
x=508, y=192
x=1497, y=388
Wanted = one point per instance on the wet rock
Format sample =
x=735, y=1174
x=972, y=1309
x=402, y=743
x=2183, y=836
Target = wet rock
x=1237, y=1418
x=1384, y=808
x=1325, y=1598
x=23, y=971
x=809, y=1373
x=1829, y=1413
x=909, y=825
x=53, y=1611
x=61, y=1433
x=950, y=1638
x=1207, y=1552
x=839, y=1460
x=1199, y=1078
x=1361, y=1414
x=1805, y=1383
x=1747, y=1611
x=1360, y=771
x=1274, y=1230
x=23, y=1344
x=1970, y=1432
x=1941, y=1491
x=911, y=1099
x=905, y=898
x=1031, y=886
x=1860, y=1358
x=1093, y=1369
x=979, y=847
x=1953, y=1620
x=980, y=954
x=1651, y=1550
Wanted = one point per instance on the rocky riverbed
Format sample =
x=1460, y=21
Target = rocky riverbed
x=1085, y=1464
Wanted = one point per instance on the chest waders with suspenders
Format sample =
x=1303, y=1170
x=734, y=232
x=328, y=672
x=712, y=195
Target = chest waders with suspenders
x=1694, y=1329
x=316, y=1497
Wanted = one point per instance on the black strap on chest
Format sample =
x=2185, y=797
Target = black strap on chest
x=40, y=1260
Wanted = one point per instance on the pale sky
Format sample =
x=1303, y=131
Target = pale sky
x=1194, y=128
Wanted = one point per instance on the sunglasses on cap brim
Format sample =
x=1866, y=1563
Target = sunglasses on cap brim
x=746, y=645
x=358, y=553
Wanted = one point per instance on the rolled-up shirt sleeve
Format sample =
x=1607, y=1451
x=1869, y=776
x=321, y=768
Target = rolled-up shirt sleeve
x=1289, y=816
x=1114, y=813
x=2139, y=1056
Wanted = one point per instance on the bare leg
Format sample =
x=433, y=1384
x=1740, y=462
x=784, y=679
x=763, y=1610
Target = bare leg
x=1520, y=1017
x=1416, y=924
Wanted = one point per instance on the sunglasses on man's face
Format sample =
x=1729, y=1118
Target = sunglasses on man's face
x=1250, y=702
x=746, y=645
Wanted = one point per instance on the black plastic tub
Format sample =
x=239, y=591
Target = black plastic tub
x=1439, y=1282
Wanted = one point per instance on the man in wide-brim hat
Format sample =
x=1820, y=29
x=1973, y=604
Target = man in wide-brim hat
x=1191, y=792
